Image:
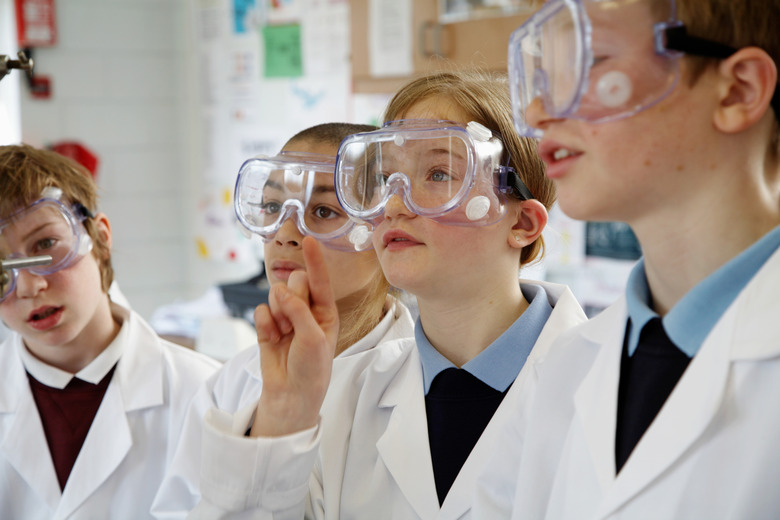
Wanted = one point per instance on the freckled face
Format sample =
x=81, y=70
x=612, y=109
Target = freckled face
x=429, y=259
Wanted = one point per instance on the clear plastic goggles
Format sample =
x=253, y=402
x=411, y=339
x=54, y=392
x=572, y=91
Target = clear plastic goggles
x=299, y=186
x=47, y=227
x=597, y=60
x=441, y=170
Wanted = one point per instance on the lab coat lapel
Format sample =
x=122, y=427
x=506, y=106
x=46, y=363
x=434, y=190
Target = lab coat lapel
x=461, y=495
x=25, y=437
x=696, y=399
x=595, y=401
x=137, y=384
x=105, y=447
x=566, y=313
x=403, y=446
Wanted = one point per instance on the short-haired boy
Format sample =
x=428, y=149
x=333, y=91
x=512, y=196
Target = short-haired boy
x=91, y=399
x=665, y=405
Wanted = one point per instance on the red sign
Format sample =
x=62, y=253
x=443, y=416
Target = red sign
x=35, y=23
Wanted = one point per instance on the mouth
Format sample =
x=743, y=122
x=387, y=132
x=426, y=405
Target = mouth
x=562, y=153
x=553, y=153
x=42, y=313
x=398, y=237
x=286, y=265
x=283, y=268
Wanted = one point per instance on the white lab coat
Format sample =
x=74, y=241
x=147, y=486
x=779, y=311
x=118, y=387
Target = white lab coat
x=712, y=450
x=121, y=464
x=374, y=459
x=236, y=389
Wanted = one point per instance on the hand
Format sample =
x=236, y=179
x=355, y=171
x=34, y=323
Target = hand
x=297, y=333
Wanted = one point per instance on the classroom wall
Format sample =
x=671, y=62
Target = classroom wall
x=10, y=117
x=118, y=77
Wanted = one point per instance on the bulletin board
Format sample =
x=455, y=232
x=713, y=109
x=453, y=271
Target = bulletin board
x=267, y=69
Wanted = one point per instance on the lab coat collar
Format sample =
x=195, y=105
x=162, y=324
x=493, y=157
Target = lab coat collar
x=692, y=404
x=93, y=373
x=407, y=458
x=137, y=384
x=26, y=429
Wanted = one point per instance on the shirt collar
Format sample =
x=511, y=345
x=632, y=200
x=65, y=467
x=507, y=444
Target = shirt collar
x=92, y=373
x=690, y=321
x=498, y=365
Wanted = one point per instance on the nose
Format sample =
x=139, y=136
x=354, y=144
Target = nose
x=396, y=207
x=29, y=284
x=536, y=116
x=289, y=234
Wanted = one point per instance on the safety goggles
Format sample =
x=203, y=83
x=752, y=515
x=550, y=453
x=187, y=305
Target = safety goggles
x=599, y=60
x=298, y=186
x=441, y=170
x=47, y=227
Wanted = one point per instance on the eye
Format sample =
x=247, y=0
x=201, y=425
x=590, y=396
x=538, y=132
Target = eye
x=270, y=207
x=45, y=244
x=325, y=213
x=440, y=176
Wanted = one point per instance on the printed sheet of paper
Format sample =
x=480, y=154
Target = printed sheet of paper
x=390, y=37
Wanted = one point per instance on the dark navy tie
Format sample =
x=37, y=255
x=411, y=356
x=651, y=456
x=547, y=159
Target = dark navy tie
x=458, y=406
x=646, y=380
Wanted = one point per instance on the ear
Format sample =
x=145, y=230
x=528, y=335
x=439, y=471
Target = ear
x=103, y=226
x=531, y=218
x=748, y=79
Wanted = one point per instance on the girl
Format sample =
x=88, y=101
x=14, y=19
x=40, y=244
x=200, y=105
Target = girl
x=458, y=203
x=283, y=199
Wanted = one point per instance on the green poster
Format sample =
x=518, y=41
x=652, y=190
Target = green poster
x=283, y=51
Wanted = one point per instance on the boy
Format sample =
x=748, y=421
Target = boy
x=90, y=398
x=664, y=405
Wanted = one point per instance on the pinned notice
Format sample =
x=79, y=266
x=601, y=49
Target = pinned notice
x=283, y=53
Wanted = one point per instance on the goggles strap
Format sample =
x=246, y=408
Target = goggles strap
x=82, y=211
x=510, y=183
x=678, y=39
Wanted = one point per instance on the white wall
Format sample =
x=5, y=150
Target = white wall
x=10, y=120
x=118, y=75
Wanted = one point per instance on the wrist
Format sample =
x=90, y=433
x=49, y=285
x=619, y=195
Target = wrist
x=283, y=414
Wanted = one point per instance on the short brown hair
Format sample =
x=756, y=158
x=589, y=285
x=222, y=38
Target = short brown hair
x=484, y=95
x=330, y=133
x=25, y=171
x=736, y=23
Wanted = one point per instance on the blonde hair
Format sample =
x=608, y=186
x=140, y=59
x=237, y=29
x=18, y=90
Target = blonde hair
x=484, y=96
x=25, y=171
x=362, y=318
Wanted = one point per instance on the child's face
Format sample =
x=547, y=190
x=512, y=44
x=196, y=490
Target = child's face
x=56, y=310
x=349, y=272
x=627, y=169
x=434, y=260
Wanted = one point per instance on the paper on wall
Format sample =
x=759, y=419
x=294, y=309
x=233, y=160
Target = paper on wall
x=390, y=38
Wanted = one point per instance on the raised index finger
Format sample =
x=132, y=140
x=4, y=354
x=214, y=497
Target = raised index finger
x=321, y=293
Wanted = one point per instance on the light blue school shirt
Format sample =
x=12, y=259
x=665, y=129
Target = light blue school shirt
x=690, y=321
x=498, y=365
